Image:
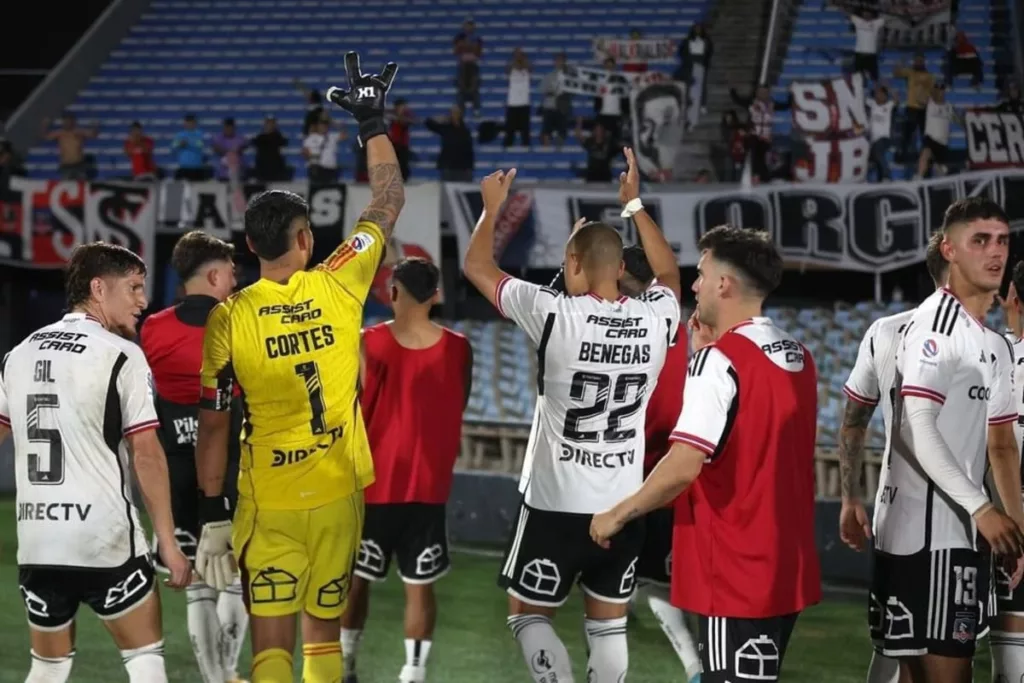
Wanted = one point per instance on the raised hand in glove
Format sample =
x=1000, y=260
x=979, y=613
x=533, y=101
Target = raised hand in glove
x=366, y=97
x=214, y=560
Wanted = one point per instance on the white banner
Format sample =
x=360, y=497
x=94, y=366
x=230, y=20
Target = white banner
x=908, y=23
x=994, y=139
x=859, y=227
x=659, y=115
x=593, y=82
x=623, y=50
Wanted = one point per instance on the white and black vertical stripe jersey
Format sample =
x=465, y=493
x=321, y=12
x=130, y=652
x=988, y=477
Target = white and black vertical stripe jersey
x=1018, y=387
x=597, y=364
x=946, y=356
x=71, y=392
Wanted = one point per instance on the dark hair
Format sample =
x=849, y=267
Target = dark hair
x=751, y=252
x=136, y=124
x=934, y=261
x=597, y=244
x=190, y=117
x=418, y=276
x=268, y=221
x=964, y=211
x=1017, y=277
x=195, y=249
x=636, y=264
x=97, y=259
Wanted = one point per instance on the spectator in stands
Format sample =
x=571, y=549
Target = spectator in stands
x=601, y=150
x=637, y=65
x=868, y=28
x=229, y=147
x=401, y=119
x=517, y=104
x=939, y=114
x=919, y=87
x=314, y=107
x=761, y=110
x=694, y=61
x=70, y=137
x=880, y=110
x=270, y=166
x=456, y=160
x=1011, y=101
x=610, y=107
x=556, y=107
x=734, y=147
x=468, y=48
x=139, y=150
x=320, y=148
x=963, y=58
x=188, y=146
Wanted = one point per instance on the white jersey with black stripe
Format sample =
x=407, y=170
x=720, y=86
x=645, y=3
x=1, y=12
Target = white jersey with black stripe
x=597, y=364
x=1018, y=388
x=70, y=393
x=947, y=356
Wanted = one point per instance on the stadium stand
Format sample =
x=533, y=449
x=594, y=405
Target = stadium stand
x=236, y=58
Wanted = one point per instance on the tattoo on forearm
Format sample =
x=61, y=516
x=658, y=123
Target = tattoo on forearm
x=851, y=446
x=388, y=197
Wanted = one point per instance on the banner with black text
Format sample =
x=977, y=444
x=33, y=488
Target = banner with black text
x=995, y=139
x=859, y=227
x=624, y=50
x=908, y=23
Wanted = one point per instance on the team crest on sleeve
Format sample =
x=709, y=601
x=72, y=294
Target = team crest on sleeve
x=930, y=348
x=361, y=242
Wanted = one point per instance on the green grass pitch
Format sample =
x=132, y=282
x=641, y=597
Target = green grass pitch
x=471, y=644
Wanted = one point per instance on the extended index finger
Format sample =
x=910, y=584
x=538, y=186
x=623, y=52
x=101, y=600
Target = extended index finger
x=628, y=151
x=352, y=67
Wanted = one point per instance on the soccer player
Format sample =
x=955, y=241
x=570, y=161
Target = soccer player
x=873, y=376
x=930, y=578
x=598, y=356
x=291, y=340
x=417, y=379
x=745, y=442
x=173, y=343
x=77, y=396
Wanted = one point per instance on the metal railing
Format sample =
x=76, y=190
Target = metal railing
x=780, y=9
x=1017, y=36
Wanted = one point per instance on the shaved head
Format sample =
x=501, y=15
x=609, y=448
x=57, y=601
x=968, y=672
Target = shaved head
x=598, y=247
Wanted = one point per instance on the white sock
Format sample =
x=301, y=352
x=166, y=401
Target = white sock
x=545, y=655
x=145, y=664
x=350, y=638
x=234, y=621
x=883, y=669
x=609, y=652
x=672, y=623
x=415, y=669
x=1007, y=655
x=204, y=631
x=50, y=669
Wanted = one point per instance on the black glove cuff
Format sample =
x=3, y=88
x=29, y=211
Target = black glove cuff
x=214, y=509
x=371, y=128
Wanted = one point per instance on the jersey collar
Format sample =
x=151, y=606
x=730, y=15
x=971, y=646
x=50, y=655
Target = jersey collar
x=757, y=320
x=963, y=308
x=76, y=317
x=621, y=300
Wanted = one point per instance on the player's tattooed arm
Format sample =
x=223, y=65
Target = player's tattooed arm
x=851, y=447
x=386, y=186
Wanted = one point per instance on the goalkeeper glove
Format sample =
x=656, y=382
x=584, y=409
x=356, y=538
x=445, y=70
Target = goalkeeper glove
x=366, y=97
x=214, y=561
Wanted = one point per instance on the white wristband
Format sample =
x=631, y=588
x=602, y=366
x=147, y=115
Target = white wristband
x=632, y=206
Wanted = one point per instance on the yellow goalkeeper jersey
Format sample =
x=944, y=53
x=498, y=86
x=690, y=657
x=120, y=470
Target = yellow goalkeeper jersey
x=294, y=350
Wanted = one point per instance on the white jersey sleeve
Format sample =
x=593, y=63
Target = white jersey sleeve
x=1002, y=408
x=862, y=385
x=665, y=304
x=5, y=410
x=135, y=388
x=930, y=363
x=708, y=396
x=525, y=304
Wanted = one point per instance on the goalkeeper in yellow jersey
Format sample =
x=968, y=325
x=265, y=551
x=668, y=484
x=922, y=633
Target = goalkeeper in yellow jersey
x=291, y=341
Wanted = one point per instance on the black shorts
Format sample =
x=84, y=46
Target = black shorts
x=548, y=550
x=52, y=594
x=733, y=649
x=939, y=150
x=181, y=469
x=415, y=533
x=931, y=602
x=655, y=563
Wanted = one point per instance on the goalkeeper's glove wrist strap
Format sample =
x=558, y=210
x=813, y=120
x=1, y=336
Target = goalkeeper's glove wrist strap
x=371, y=128
x=214, y=509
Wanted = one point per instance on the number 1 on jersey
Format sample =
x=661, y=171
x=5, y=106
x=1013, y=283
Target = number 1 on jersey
x=310, y=373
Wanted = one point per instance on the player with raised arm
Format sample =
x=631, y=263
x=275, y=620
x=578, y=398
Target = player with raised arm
x=598, y=357
x=417, y=377
x=77, y=396
x=743, y=452
x=291, y=341
x=929, y=579
x=172, y=340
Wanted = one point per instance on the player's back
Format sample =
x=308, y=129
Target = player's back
x=294, y=349
x=598, y=362
x=66, y=386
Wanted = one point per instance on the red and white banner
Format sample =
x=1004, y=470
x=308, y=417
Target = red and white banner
x=994, y=139
x=830, y=144
x=644, y=50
